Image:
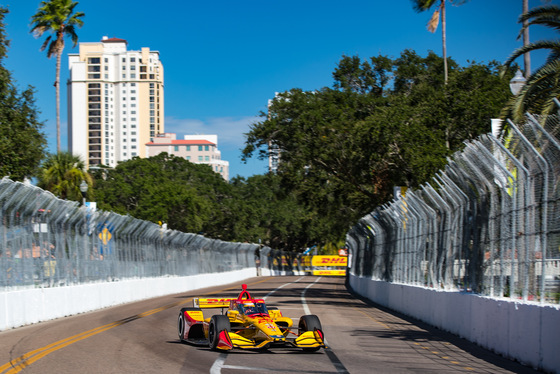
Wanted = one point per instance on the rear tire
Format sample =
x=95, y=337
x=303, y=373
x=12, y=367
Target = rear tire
x=309, y=322
x=218, y=323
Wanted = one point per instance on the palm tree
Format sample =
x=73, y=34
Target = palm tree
x=57, y=18
x=538, y=94
x=62, y=173
x=423, y=5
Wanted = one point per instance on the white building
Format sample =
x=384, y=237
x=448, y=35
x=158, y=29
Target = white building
x=198, y=149
x=115, y=101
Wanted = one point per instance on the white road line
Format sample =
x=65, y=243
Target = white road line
x=218, y=364
x=282, y=286
x=305, y=307
x=250, y=368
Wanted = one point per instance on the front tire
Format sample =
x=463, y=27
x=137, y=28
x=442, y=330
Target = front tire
x=218, y=323
x=309, y=322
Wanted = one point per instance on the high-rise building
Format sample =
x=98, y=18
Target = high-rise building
x=115, y=101
x=198, y=149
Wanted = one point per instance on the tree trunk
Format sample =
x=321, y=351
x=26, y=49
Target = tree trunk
x=57, y=87
x=526, y=56
x=443, y=37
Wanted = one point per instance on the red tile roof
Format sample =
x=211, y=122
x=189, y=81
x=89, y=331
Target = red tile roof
x=183, y=142
x=114, y=40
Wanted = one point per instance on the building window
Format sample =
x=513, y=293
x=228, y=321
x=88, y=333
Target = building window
x=200, y=149
x=206, y=158
x=94, y=60
x=176, y=148
x=200, y=158
x=188, y=148
x=206, y=148
x=188, y=158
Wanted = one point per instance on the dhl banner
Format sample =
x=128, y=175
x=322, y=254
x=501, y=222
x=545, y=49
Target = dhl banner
x=329, y=261
x=330, y=272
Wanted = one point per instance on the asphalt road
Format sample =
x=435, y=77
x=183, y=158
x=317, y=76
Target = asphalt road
x=142, y=337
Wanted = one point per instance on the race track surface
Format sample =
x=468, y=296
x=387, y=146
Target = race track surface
x=142, y=337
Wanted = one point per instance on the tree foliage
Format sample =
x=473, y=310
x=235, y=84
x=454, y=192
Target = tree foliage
x=22, y=143
x=386, y=122
x=62, y=173
x=164, y=188
x=538, y=94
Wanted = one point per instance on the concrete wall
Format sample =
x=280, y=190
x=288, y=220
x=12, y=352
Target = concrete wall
x=524, y=332
x=23, y=307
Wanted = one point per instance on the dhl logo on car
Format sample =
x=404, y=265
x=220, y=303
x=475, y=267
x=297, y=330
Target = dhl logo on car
x=211, y=303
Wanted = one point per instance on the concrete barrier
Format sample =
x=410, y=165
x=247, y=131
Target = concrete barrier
x=525, y=332
x=27, y=306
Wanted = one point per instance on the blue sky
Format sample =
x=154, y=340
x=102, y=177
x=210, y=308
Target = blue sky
x=224, y=59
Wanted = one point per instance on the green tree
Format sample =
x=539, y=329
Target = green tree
x=62, y=173
x=22, y=143
x=538, y=94
x=424, y=5
x=343, y=149
x=166, y=188
x=57, y=18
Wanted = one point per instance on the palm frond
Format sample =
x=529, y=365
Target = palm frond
x=542, y=44
x=548, y=15
x=433, y=22
x=423, y=5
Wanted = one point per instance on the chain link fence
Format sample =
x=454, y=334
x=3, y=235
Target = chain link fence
x=489, y=223
x=48, y=242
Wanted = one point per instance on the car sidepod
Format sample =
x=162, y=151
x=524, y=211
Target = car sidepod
x=191, y=326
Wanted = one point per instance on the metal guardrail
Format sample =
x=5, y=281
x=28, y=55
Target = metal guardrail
x=489, y=223
x=48, y=242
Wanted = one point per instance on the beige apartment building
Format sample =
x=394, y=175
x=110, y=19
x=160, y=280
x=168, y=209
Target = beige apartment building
x=198, y=149
x=115, y=101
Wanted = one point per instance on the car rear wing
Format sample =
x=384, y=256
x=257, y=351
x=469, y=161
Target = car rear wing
x=211, y=303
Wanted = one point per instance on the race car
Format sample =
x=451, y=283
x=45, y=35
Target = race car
x=247, y=324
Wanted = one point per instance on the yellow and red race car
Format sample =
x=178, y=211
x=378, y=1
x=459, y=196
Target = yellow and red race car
x=247, y=324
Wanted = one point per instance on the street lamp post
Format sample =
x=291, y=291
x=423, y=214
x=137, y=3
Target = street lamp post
x=83, y=190
x=517, y=82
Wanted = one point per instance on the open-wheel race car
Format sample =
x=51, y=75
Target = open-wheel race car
x=248, y=324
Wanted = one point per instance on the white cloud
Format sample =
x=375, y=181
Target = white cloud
x=230, y=130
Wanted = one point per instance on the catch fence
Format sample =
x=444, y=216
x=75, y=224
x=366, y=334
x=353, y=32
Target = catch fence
x=489, y=223
x=49, y=242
